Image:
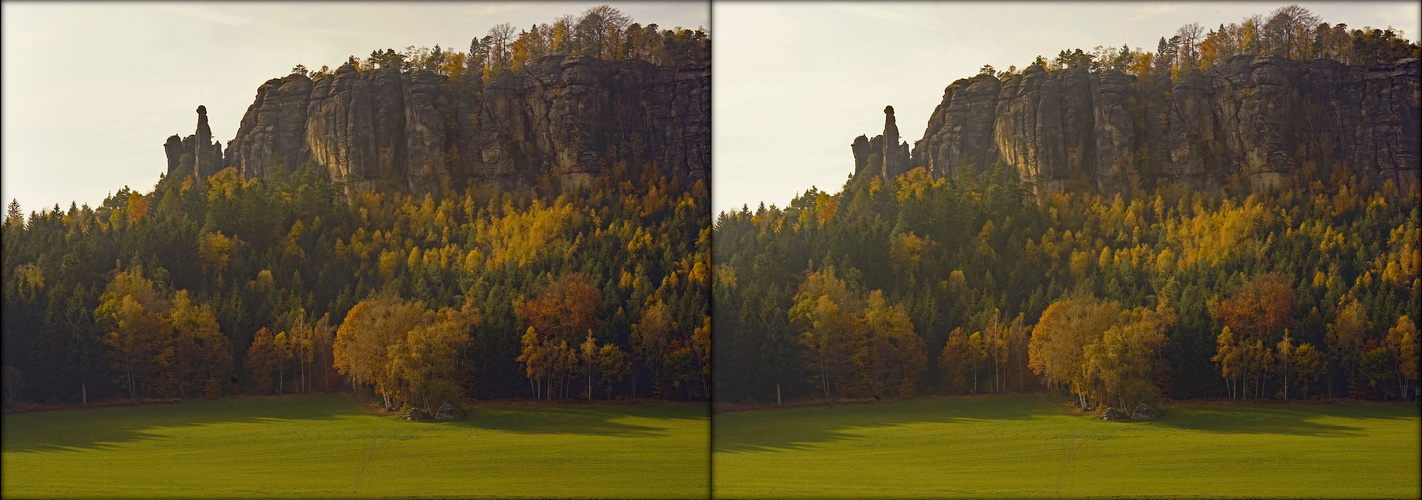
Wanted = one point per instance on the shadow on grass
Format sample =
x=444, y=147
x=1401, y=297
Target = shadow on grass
x=800, y=428
x=1297, y=420
x=105, y=428
x=585, y=420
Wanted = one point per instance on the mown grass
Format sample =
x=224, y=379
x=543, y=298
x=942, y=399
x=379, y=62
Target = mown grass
x=1030, y=446
x=331, y=447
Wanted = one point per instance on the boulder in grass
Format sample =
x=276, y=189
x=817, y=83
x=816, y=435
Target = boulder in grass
x=1111, y=415
x=416, y=415
x=1144, y=412
x=448, y=411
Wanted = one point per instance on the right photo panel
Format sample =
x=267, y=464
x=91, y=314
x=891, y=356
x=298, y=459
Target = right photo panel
x=1066, y=250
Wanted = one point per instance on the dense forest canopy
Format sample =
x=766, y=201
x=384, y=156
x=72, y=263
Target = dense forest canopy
x=982, y=282
x=287, y=283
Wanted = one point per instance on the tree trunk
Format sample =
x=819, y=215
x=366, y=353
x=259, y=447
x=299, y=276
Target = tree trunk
x=1020, y=385
x=997, y=376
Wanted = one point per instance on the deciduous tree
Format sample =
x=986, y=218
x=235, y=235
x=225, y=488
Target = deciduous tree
x=649, y=340
x=1345, y=339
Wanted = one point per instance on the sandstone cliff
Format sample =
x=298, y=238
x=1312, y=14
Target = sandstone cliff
x=1254, y=119
x=568, y=117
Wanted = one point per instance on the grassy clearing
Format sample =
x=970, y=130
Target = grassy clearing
x=1031, y=447
x=330, y=447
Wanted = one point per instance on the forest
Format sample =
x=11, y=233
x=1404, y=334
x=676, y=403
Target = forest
x=289, y=283
x=974, y=285
x=989, y=283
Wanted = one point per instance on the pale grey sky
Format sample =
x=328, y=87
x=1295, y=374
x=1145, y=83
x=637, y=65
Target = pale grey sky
x=794, y=83
x=91, y=90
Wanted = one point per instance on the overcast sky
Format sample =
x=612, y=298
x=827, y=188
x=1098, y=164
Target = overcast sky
x=794, y=83
x=91, y=90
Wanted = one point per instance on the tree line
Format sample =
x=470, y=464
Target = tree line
x=1291, y=32
x=979, y=284
x=203, y=288
x=601, y=32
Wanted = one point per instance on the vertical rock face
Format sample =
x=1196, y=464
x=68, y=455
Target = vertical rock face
x=896, y=153
x=341, y=131
x=205, y=154
x=962, y=128
x=1113, y=128
x=1254, y=119
x=273, y=136
x=571, y=118
x=174, y=150
x=424, y=131
x=1045, y=125
x=885, y=154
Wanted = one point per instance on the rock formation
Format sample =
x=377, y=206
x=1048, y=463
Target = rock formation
x=1253, y=119
x=204, y=153
x=568, y=117
x=885, y=153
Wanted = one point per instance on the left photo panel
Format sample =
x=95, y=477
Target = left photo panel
x=356, y=250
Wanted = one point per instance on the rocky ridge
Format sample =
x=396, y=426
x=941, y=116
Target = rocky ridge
x=569, y=117
x=1254, y=119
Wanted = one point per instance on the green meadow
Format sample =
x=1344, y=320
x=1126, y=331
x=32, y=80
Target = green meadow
x=1030, y=446
x=331, y=446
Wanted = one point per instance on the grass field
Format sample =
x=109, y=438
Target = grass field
x=1031, y=447
x=331, y=447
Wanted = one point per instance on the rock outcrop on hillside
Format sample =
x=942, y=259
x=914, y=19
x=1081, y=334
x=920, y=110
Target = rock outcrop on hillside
x=204, y=153
x=1254, y=119
x=887, y=155
x=568, y=117
x=576, y=116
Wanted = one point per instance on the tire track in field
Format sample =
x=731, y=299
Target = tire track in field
x=1072, y=445
x=377, y=442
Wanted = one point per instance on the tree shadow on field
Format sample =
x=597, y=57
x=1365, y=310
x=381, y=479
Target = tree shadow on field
x=1298, y=420
x=106, y=428
x=800, y=428
x=576, y=419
